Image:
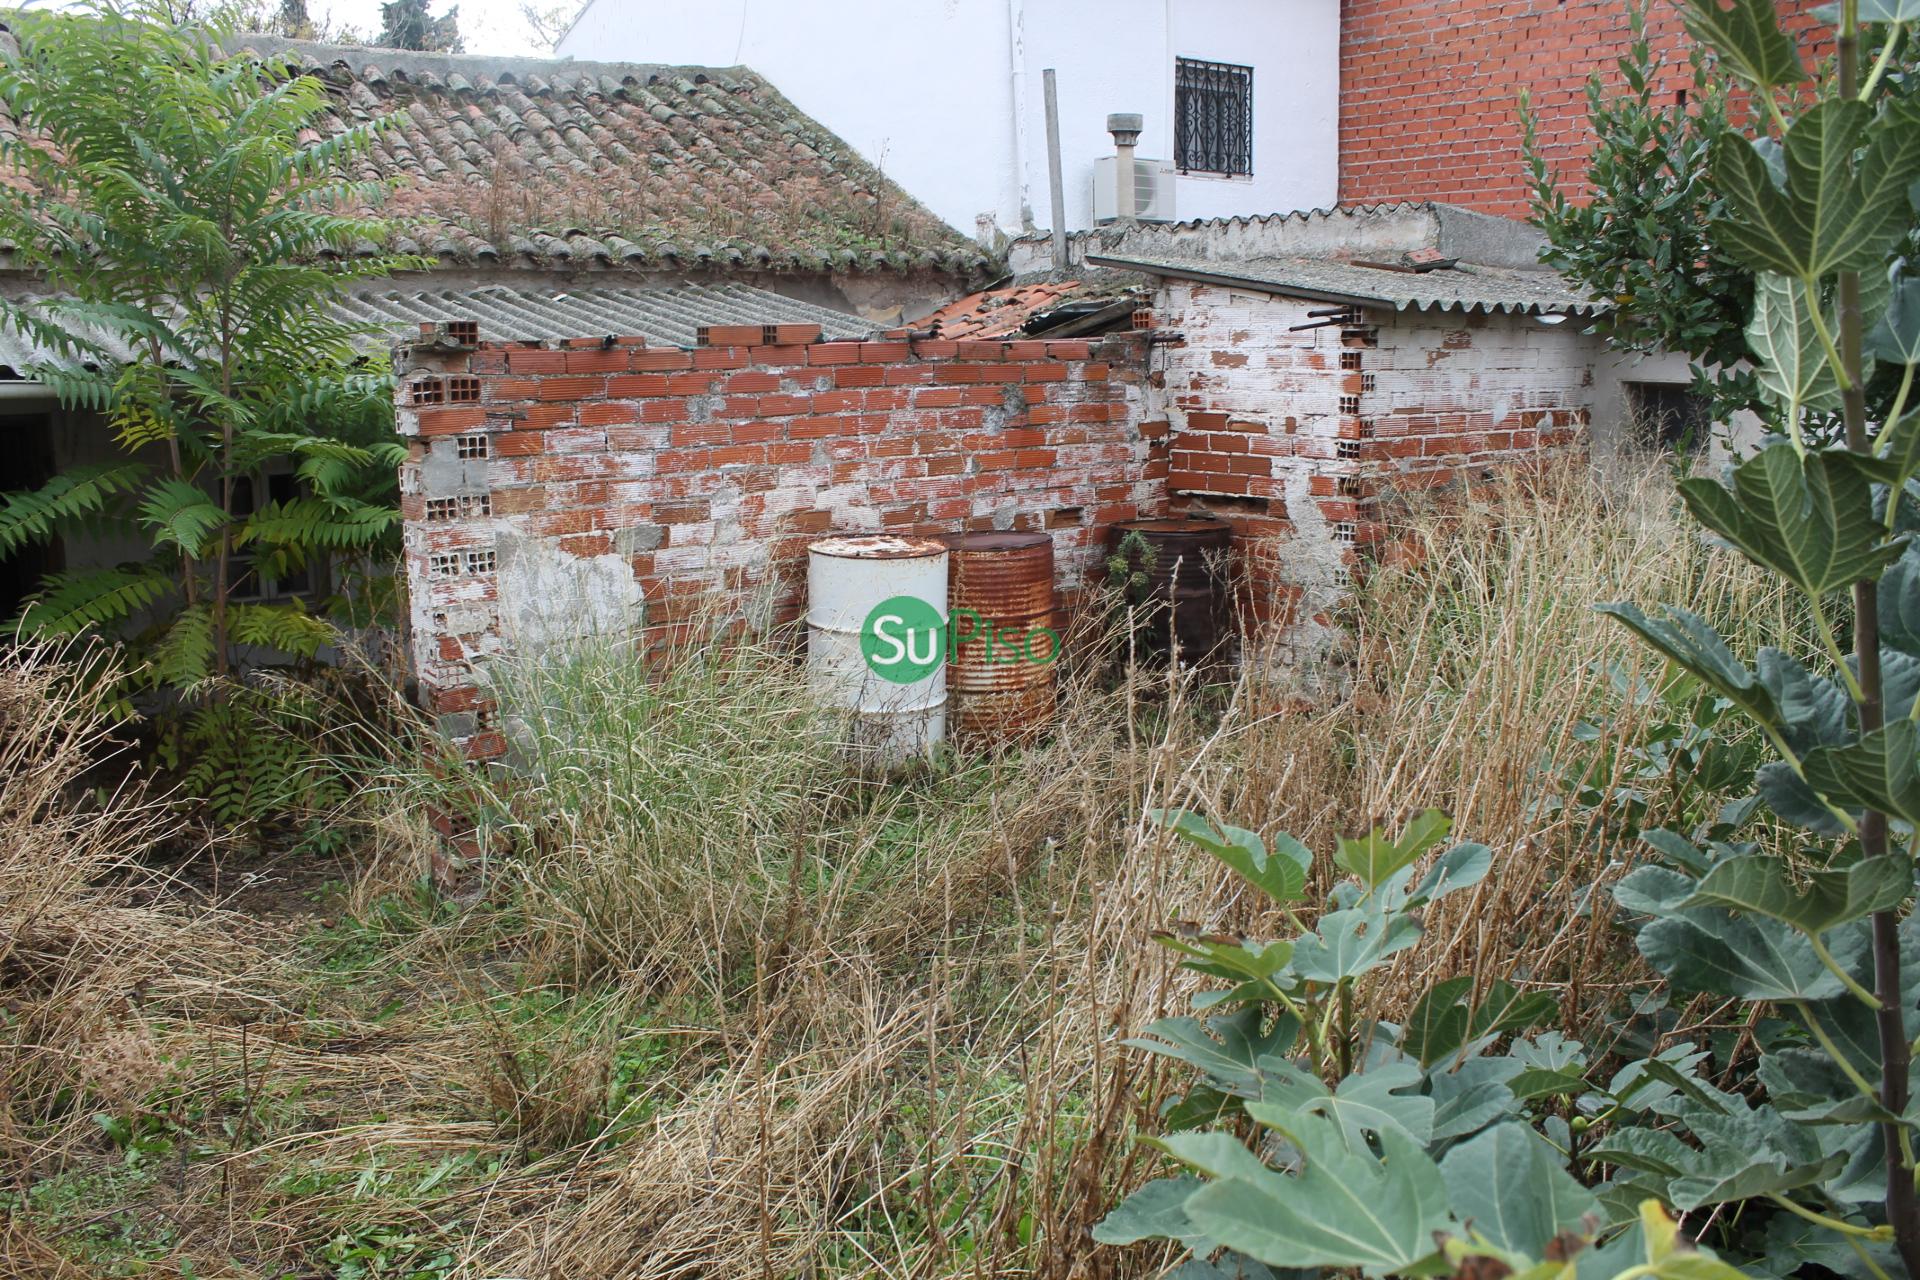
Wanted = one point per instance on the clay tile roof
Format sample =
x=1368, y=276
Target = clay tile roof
x=996, y=313
x=531, y=162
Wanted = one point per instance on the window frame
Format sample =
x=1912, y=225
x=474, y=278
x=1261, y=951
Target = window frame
x=244, y=563
x=1229, y=97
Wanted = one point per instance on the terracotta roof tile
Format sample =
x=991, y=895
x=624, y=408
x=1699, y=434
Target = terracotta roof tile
x=995, y=313
x=532, y=162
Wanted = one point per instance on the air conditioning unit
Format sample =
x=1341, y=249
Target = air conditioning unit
x=1152, y=190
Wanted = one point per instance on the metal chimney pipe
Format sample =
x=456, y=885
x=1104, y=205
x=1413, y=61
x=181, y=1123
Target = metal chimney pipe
x=1125, y=128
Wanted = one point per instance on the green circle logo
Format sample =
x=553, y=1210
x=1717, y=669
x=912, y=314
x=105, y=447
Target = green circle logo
x=904, y=639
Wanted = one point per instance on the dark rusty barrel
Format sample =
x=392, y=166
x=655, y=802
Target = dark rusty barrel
x=1000, y=679
x=1186, y=599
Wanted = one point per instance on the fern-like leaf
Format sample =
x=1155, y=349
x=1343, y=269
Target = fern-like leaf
x=288, y=628
x=337, y=525
x=34, y=515
x=183, y=655
x=70, y=603
x=182, y=515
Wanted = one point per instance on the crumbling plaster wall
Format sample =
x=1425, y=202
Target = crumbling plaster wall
x=1299, y=436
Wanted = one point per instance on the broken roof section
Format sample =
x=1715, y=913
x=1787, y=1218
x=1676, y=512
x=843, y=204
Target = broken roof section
x=994, y=313
x=1462, y=286
x=1424, y=255
x=565, y=164
x=1049, y=308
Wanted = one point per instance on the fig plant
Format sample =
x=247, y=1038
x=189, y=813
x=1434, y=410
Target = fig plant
x=1317, y=1141
x=1424, y=1153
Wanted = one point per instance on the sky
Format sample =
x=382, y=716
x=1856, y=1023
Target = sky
x=489, y=26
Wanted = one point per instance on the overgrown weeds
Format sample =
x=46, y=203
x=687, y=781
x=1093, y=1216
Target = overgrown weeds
x=713, y=1004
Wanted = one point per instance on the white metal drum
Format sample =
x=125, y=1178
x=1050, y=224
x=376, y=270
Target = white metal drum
x=846, y=578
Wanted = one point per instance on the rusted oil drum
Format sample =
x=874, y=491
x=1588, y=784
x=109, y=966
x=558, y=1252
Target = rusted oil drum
x=1000, y=678
x=1186, y=602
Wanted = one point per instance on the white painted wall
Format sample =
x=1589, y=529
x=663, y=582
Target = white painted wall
x=946, y=95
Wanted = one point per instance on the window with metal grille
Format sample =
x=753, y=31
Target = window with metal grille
x=1212, y=117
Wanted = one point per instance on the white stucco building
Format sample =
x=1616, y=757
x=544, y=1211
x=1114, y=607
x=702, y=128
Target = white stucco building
x=946, y=95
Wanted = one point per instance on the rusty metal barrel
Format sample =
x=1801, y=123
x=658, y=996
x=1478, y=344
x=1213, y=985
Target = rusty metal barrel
x=1001, y=675
x=1185, y=605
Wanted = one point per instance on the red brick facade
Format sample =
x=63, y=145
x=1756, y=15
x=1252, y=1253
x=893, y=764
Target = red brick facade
x=606, y=487
x=645, y=480
x=1429, y=91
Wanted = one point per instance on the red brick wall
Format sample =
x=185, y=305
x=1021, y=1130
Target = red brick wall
x=1428, y=91
x=655, y=478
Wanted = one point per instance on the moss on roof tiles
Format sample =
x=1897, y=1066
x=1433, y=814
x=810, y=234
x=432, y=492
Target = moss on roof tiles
x=552, y=163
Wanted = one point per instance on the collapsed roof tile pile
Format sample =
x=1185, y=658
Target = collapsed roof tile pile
x=997, y=312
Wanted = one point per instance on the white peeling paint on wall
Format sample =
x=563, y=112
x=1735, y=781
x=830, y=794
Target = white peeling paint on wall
x=549, y=598
x=945, y=95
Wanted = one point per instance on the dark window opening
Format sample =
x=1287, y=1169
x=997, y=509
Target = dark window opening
x=1668, y=415
x=1212, y=117
x=248, y=578
x=26, y=462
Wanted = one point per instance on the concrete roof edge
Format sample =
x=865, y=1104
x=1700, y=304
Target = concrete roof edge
x=1223, y=273
x=1488, y=239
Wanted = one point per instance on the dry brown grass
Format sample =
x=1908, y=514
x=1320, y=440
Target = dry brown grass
x=90, y=943
x=876, y=1024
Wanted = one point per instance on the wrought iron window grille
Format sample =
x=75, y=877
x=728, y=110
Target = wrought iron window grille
x=1212, y=117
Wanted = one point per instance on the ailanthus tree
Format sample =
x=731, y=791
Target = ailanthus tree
x=186, y=210
x=406, y=24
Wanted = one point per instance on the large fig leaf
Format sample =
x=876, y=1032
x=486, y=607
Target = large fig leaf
x=1687, y=639
x=1512, y=1188
x=1748, y=39
x=1376, y=859
x=1788, y=795
x=1350, y=942
x=1741, y=1154
x=1818, y=901
x=1438, y=1025
x=1369, y=1102
x=1899, y=682
x=1156, y=1211
x=1230, y=1049
x=1835, y=212
x=1471, y=1096
x=1219, y=956
x=1896, y=337
x=1503, y=1008
x=1748, y=1153
x=1754, y=958
x=1652, y=1151
x=1281, y=875
x=1793, y=1243
x=1880, y=771
x=1344, y=1208
x=1900, y=603
x=1793, y=367
x=1460, y=867
x=1233, y=1266
x=1814, y=711
x=1810, y=520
